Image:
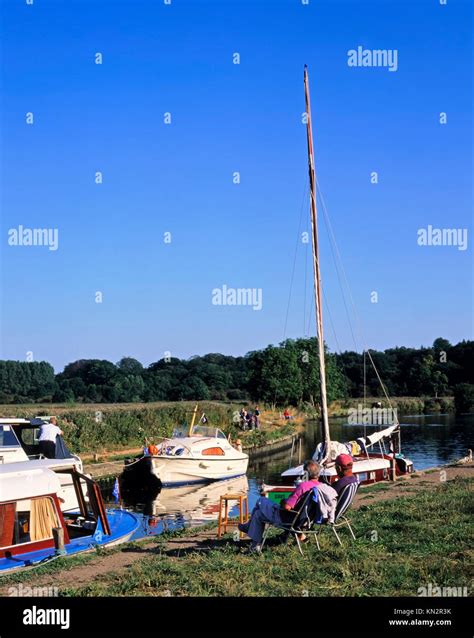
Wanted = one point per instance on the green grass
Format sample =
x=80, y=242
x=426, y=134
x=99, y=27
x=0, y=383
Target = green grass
x=402, y=544
x=263, y=436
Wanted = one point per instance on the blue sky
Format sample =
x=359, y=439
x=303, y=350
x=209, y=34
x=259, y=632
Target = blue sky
x=178, y=177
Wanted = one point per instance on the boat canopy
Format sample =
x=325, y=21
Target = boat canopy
x=381, y=434
x=20, y=481
x=199, y=430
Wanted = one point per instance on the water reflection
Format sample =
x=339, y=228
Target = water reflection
x=176, y=508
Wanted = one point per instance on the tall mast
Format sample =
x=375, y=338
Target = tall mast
x=317, y=275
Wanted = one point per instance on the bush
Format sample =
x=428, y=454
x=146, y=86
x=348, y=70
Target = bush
x=464, y=397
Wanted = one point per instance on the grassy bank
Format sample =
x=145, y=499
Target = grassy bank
x=402, y=545
x=99, y=428
x=106, y=427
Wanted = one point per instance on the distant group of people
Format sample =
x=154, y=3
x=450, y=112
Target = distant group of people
x=267, y=511
x=249, y=420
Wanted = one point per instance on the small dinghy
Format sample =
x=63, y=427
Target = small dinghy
x=34, y=530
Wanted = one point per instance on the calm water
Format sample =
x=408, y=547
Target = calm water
x=428, y=440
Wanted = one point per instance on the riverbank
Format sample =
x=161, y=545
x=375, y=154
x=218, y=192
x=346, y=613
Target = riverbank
x=100, y=429
x=410, y=533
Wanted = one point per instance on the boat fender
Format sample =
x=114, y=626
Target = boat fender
x=152, y=450
x=179, y=451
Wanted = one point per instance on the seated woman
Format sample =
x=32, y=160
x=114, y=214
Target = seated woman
x=267, y=511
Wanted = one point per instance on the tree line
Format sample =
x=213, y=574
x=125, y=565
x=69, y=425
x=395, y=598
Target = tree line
x=284, y=374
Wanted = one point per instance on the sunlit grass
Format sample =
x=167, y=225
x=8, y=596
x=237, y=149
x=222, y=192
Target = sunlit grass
x=402, y=544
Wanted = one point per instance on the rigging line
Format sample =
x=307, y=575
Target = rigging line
x=354, y=309
x=341, y=265
x=305, y=286
x=365, y=394
x=333, y=328
x=333, y=246
x=310, y=319
x=338, y=346
x=294, y=260
x=380, y=381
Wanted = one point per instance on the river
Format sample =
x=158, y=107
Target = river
x=428, y=440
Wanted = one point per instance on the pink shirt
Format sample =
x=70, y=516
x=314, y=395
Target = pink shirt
x=302, y=488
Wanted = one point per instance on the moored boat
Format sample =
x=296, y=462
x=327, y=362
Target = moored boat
x=200, y=455
x=19, y=443
x=34, y=529
x=368, y=466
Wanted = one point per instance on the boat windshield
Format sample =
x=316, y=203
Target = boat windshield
x=7, y=437
x=199, y=430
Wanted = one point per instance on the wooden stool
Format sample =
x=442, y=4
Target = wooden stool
x=224, y=522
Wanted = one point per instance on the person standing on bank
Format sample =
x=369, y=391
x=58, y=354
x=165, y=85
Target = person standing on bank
x=47, y=438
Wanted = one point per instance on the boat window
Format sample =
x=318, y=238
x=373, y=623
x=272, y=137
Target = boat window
x=205, y=430
x=30, y=436
x=7, y=437
x=27, y=521
x=214, y=451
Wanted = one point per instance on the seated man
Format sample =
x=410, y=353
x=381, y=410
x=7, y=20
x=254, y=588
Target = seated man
x=344, y=466
x=266, y=511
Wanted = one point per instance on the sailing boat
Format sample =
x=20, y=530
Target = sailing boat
x=369, y=466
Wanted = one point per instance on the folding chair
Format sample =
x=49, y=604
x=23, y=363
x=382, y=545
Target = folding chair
x=306, y=514
x=344, y=501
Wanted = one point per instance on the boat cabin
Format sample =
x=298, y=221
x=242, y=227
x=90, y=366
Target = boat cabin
x=30, y=509
x=19, y=441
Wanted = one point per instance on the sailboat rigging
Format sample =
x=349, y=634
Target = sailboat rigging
x=317, y=274
x=368, y=467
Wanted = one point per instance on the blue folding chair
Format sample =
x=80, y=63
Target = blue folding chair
x=344, y=501
x=307, y=513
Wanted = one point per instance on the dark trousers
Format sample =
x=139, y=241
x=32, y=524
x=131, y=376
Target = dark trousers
x=48, y=449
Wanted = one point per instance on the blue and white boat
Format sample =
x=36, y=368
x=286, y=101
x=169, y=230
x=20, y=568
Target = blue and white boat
x=19, y=442
x=34, y=529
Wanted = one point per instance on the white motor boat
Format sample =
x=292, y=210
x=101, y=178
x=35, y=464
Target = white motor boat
x=205, y=455
x=199, y=455
x=19, y=443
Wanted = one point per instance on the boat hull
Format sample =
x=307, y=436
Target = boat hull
x=376, y=468
x=173, y=471
x=123, y=526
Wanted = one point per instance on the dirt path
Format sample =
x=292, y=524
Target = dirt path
x=207, y=539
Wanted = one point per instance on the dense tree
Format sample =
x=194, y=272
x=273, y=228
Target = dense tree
x=283, y=374
x=464, y=397
x=31, y=380
x=129, y=365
